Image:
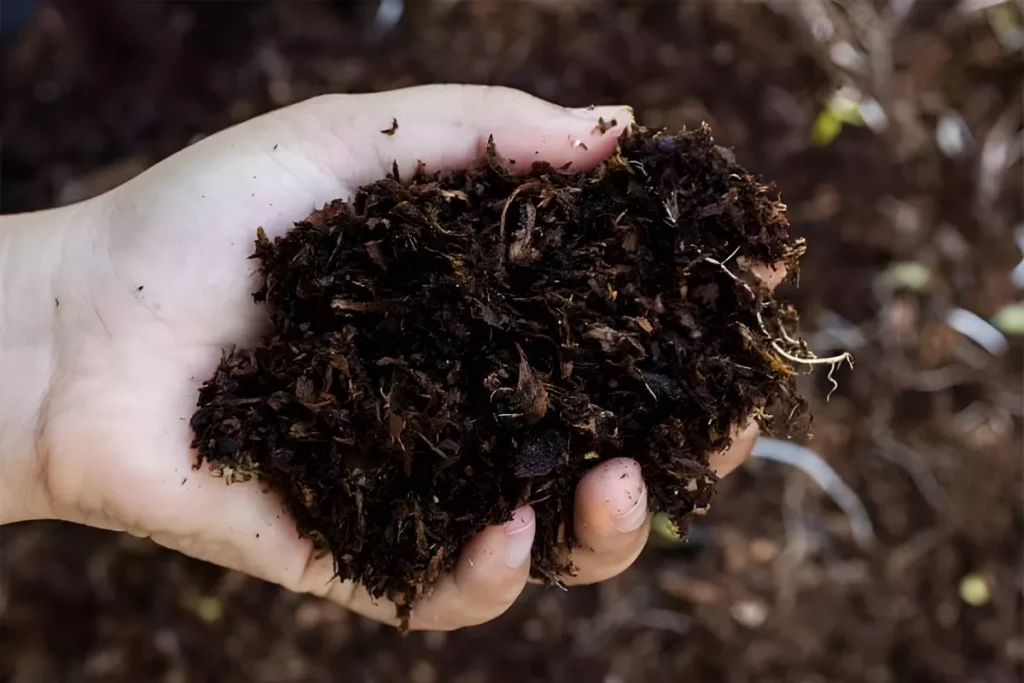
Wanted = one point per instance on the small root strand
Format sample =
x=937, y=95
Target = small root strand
x=832, y=361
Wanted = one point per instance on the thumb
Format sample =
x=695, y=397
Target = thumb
x=447, y=127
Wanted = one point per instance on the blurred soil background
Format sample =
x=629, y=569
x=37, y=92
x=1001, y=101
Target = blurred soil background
x=893, y=130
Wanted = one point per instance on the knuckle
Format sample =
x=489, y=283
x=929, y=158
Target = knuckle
x=495, y=598
x=326, y=100
x=494, y=97
x=489, y=599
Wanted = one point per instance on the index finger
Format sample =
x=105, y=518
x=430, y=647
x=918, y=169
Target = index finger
x=447, y=127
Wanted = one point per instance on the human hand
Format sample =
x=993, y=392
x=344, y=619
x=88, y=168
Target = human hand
x=146, y=285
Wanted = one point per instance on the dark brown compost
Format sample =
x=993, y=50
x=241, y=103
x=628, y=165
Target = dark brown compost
x=445, y=350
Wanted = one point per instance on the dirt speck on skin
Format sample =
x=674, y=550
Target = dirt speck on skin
x=603, y=126
x=445, y=351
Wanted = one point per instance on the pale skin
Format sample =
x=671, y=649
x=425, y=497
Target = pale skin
x=113, y=311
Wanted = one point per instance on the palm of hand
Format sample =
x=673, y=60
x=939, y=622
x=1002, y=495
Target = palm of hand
x=157, y=283
x=161, y=285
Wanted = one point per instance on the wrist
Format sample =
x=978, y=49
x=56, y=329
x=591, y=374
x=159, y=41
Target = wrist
x=30, y=253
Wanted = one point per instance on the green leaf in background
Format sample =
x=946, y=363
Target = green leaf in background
x=1010, y=319
x=909, y=275
x=842, y=108
x=664, y=529
x=826, y=128
x=974, y=590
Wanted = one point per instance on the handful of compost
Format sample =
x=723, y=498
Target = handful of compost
x=446, y=350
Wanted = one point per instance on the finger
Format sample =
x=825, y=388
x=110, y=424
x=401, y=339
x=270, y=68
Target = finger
x=771, y=275
x=605, y=517
x=448, y=127
x=491, y=573
x=743, y=439
x=612, y=521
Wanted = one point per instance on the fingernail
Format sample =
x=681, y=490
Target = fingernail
x=519, y=537
x=633, y=518
x=619, y=113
